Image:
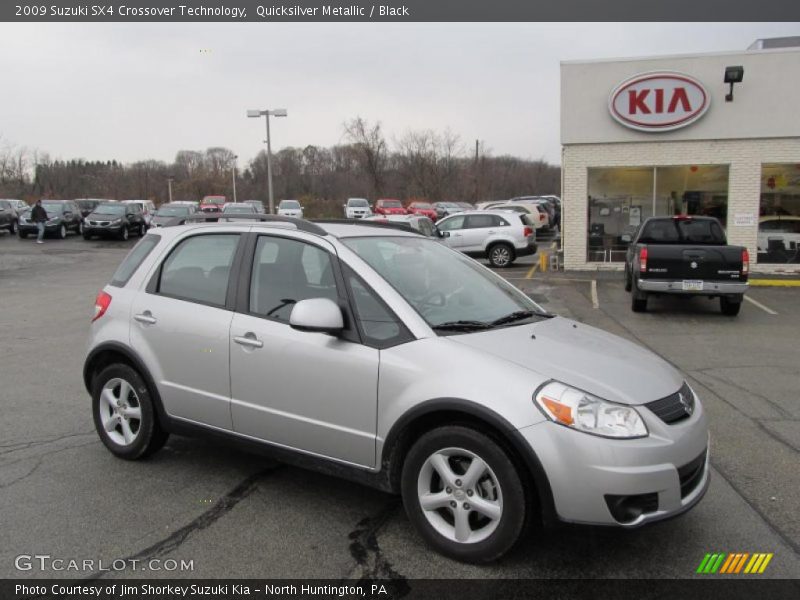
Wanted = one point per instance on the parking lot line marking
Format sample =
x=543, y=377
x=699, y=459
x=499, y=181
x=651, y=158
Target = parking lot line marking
x=775, y=282
x=766, y=309
x=531, y=271
x=595, y=301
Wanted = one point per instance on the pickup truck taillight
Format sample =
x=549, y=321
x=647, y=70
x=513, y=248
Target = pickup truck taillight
x=101, y=304
x=643, y=260
x=745, y=262
x=527, y=231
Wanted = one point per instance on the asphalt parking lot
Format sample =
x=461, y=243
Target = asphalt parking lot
x=240, y=515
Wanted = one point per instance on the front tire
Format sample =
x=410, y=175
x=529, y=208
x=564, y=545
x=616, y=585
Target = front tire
x=123, y=233
x=124, y=414
x=501, y=255
x=22, y=234
x=463, y=494
x=142, y=230
x=62, y=232
x=13, y=229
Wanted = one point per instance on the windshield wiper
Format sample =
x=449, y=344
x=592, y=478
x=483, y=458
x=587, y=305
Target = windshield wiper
x=462, y=326
x=519, y=315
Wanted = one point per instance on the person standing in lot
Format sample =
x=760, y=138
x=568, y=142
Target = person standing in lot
x=39, y=216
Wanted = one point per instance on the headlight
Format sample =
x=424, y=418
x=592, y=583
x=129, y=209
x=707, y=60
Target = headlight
x=116, y=222
x=582, y=411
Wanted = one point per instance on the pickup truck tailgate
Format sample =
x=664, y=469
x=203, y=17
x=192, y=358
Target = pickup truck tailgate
x=712, y=263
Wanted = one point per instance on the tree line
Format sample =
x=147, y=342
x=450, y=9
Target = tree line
x=419, y=165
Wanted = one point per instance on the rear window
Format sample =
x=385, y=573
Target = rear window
x=682, y=231
x=135, y=257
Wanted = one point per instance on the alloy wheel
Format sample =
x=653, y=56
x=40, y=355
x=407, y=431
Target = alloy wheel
x=500, y=256
x=120, y=411
x=460, y=495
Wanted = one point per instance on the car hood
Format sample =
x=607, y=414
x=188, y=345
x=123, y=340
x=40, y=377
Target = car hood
x=163, y=219
x=584, y=357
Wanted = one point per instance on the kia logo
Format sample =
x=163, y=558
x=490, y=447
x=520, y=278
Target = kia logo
x=660, y=101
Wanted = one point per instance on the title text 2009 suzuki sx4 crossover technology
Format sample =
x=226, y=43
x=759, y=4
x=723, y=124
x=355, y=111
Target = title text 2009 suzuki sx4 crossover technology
x=432, y=377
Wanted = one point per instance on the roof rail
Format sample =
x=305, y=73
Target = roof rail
x=385, y=224
x=211, y=217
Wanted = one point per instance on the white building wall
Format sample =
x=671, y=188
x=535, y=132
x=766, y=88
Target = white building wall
x=744, y=158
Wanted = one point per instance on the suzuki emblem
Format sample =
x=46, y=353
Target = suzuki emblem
x=693, y=265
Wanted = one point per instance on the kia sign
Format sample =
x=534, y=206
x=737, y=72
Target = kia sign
x=660, y=101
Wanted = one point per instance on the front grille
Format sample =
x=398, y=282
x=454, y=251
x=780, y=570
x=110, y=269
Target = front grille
x=691, y=474
x=675, y=407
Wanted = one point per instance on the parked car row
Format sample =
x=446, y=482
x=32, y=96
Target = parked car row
x=360, y=208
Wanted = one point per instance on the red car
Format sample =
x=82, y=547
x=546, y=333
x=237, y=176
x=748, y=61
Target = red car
x=212, y=203
x=425, y=209
x=389, y=206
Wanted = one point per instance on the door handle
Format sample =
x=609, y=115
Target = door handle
x=248, y=339
x=492, y=231
x=146, y=317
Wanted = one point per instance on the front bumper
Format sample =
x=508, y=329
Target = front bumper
x=585, y=470
x=102, y=231
x=709, y=287
x=33, y=228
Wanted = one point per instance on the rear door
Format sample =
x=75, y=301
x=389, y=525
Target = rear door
x=477, y=229
x=309, y=391
x=181, y=323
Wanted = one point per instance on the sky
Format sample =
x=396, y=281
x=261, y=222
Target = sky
x=137, y=91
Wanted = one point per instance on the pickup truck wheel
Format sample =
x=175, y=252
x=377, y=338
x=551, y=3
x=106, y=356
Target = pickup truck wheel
x=638, y=299
x=501, y=255
x=729, y=307
x=463, y=494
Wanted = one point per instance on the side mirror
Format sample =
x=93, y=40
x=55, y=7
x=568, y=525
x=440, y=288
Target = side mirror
x=444, y=234
x=344, y=205
x=320, y=315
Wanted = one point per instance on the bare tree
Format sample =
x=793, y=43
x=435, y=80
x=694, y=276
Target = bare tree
x=371, y=145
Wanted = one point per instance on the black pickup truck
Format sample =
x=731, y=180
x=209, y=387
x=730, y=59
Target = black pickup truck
x=685, y=255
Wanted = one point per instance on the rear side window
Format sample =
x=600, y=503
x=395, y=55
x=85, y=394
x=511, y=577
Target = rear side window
x=198, y=269
x=128, y=266
x=678, y=231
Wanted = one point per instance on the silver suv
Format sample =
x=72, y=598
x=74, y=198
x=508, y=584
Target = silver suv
x=385, y=357
x=497, y=235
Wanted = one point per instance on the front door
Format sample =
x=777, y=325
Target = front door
x=309, y=391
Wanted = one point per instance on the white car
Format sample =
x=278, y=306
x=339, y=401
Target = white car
x=778, y=232
x=290, y=208
x=419, y=223
x=357, y=208
x=537, y=212
x=148, y=209
x=499, y=236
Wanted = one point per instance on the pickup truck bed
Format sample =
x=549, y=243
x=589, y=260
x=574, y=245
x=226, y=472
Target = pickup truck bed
x=689, y=256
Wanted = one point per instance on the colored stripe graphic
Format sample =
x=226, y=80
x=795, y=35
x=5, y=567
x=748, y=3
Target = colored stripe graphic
x=733, y=563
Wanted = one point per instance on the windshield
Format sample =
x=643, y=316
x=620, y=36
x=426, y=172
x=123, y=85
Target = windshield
x=289, y=204
x=446, y=288
x=682, y=231
x=53, y=207
x=358, y=202
x=240, y=210
x=172, y=211
x=109, y=209
x=391, y=204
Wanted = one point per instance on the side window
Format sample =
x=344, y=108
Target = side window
x=426, y=227
x=452, y=223
x=379, y=327
x=198, y=269
x=500, y=221
x=286, y=271
x=480, y=221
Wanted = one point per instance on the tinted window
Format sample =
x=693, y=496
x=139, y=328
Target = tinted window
x=286, y=271
x=452, y=223
x=425, y=227
x=481, y=221
x=135, y=257
x=678, y=231
x=379, y=327
x=198, y=269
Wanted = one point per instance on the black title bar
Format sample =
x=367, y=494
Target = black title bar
x=398, y=11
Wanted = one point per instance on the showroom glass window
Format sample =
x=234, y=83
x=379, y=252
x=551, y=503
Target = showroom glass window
x=779, y=214
x=621, y=198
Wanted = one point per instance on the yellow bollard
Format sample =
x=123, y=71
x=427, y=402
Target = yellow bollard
x=542, y=262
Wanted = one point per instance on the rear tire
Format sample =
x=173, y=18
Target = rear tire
x=501, y=255
x=638, y=299
x=22, y=234
x=628, y=283
x=729, y=307
x=13, y=228
x=124, y=414
x=487, y=510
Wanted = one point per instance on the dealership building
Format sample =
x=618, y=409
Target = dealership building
x=705, y=134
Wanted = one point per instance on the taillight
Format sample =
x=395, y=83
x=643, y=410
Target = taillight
x=101, y=304
x=643, y=260
x=745, y=262
x=541, y=217
x=528, y=231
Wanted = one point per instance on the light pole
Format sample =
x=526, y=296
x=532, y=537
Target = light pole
x=275, y=112
x=233, y=176
x=169, y=186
